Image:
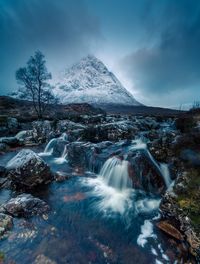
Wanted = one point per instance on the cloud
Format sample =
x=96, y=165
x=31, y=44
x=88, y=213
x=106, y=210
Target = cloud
x=170, y=66
x=63, y=30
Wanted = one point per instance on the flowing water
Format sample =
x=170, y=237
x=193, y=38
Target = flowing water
x=93, y=218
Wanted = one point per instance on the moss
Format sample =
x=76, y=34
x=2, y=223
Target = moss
x=188, y=199
x=2, y=257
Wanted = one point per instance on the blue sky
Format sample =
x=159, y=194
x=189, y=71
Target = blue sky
x=151, y=45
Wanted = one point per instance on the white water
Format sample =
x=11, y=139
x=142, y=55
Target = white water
x=163, y=169
x=165, y=173
x=115, y=173
x=50, y=146
x=63, y=158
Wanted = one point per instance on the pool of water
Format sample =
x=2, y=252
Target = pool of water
x=89, y=222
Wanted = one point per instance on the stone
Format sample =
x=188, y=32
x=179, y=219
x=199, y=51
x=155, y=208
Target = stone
x=10, y=141
x=6, y=223
x=42, y=131
x=170, y=230
x=25, y=136
x=25, y=205
x=42, y=259
x=27, y=169
x=3, y=147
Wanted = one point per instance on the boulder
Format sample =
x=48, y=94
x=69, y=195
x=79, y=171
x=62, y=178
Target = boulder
x=25, y=205
x=145, y=172
x=12, y=124
x=42, y=259
x=6, y=223
x=27, y=169
x=169, y=229
x=110, y=131
x=65, y=125
x=10, y=141
x=25, y=136
x=3, y=147
x=8, y=125
x=42, y=131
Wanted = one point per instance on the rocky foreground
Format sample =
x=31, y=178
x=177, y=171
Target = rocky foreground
x=172, y=140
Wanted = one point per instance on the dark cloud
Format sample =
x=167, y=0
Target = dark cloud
x=168, y=65
x=63, y=30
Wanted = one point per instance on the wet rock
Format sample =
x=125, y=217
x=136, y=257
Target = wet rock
x=66, y=125
x=25, y=137
x=180, y=207
x=77, y=153
x=25, y=205
x=27, y=169
x=110, y=131
x=2, y=171
x=10, y=141
x=6, y=223
x=145, y=173
x=42, y=131
x=12, y=124
x=170, y=230
x=3, y=147
x=8, y=125
x=42, y=259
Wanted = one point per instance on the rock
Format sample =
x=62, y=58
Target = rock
x=25, y=205
x=3, y=147
x=10, y=141
x=25, y=136
x=65, y=125
x=42, y=259
x=170, y=230
x=8, y=125
x=27, y=169
x=12, y=124
x=110, y=131
x=6, y=223
x=42, y=131
x=144, y=173
x=2, y=171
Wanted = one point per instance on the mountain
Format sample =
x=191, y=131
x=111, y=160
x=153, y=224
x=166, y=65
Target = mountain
x=89, y=81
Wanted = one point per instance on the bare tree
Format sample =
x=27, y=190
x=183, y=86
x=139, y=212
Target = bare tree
x=34, y=83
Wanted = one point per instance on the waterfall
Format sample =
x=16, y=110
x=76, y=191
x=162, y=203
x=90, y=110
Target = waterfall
x=49, y=147
x=165, y=173
x=52, y=143
x=115, y=173
x=64, y=137
x=162, y=169
x=64, y=154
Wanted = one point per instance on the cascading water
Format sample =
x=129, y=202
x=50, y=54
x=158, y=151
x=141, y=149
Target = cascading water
x=165, y=173
x=62, y=158
x=163, y=170
x=114, y=186
x=50, y=146
x=115, y=173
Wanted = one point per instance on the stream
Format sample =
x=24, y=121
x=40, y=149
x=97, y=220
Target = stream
x=95, y=217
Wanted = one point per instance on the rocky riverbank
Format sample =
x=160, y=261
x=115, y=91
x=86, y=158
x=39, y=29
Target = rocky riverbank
x=94, y=137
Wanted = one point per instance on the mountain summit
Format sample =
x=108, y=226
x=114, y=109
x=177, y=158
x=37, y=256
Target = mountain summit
x=89, y=81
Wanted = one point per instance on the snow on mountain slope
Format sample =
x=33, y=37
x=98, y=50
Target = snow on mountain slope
x=89, y=81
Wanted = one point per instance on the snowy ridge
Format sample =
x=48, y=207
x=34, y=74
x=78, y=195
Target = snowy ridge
x=89, y=81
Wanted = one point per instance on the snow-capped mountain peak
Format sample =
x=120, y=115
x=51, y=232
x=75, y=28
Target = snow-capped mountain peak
x=89, y=81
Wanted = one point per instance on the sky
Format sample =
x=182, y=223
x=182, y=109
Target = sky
x=152, y=46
